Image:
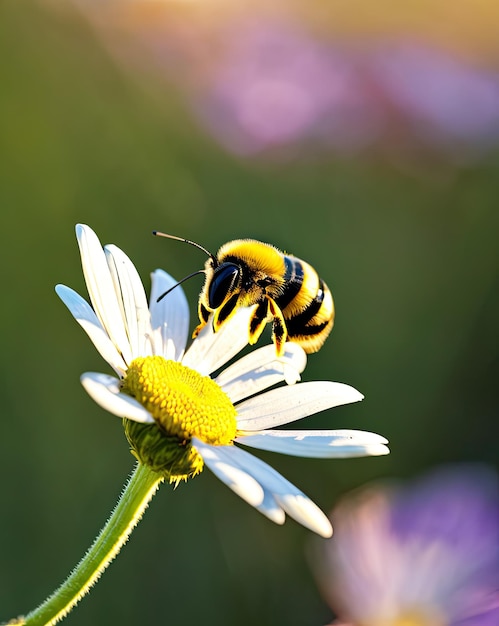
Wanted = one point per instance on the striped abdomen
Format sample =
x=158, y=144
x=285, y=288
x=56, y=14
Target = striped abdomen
x=306, y=304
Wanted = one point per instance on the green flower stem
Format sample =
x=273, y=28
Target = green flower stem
x=134, y=500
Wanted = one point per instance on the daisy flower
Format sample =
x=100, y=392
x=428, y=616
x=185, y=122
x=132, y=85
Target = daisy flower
x=186, y=407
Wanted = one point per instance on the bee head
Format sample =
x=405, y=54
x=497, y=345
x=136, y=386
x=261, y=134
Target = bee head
x=226, y=280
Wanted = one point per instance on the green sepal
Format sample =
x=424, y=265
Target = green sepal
x=166, y=454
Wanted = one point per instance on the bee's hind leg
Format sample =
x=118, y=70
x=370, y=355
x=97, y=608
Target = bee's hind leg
x=279, y=330
x=258, y=320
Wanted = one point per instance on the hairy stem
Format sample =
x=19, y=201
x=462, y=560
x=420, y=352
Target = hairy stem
x=134, y=500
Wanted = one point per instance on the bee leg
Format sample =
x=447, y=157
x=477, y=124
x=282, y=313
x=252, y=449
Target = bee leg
x=279, y=330
x=204, y=315
x=225, y=311
x=258, y=321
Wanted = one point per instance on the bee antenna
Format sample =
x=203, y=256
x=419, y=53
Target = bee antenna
x=192, y=243
x=179, y=283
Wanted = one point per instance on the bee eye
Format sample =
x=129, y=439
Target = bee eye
x=222, y=283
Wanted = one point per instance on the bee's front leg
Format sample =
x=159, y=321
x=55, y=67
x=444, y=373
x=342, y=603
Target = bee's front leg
x=204, y=315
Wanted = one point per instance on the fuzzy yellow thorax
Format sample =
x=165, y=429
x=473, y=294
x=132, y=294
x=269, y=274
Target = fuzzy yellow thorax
x=184, y=404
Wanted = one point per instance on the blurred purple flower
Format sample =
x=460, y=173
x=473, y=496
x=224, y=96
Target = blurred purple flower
x=442, y=97
x=260, y=82
x=427, y=555
x=275, y=85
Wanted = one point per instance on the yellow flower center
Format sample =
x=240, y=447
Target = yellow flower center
x=184, y=405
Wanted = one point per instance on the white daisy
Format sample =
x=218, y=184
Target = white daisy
x=179, y=413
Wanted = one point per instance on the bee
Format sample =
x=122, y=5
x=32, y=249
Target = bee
x=287, y=292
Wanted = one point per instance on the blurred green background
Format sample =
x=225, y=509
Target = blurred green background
x=410, y=254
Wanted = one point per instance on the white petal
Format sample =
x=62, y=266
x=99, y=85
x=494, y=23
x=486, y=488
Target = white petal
x=306, y=512
x=288, y=404
x=219, y=462
x=105, y=390
x=317, y=443
x=222, y=461
x=279, y=492
x=100, y=288
x=271, y=509
x=361, y=436
x=169, y=317
x=209, y=351
x=85, y=316
x=132, y=300
x=261, y=369
x=293, y=501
